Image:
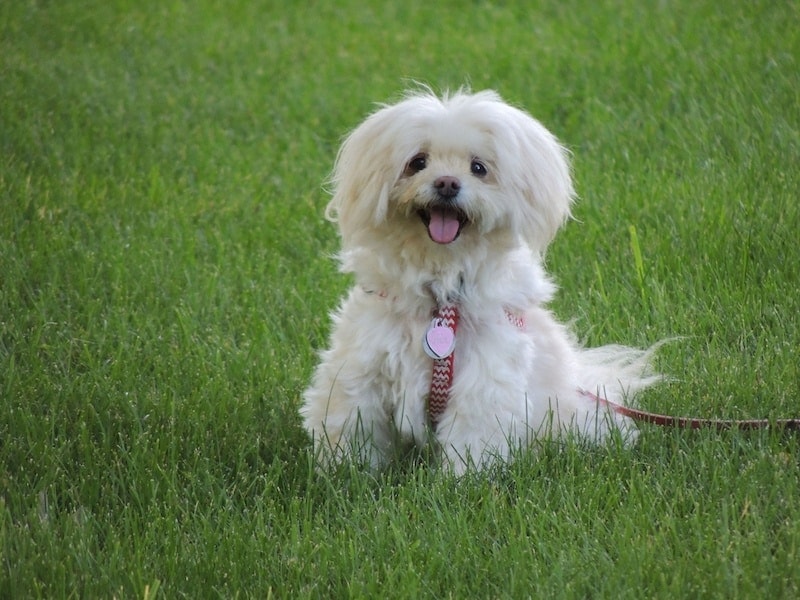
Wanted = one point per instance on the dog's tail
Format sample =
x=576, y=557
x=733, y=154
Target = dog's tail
x=612, y=376
x=617, y=373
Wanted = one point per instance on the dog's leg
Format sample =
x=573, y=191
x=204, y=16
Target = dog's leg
x=346, y=424
x=478, y=440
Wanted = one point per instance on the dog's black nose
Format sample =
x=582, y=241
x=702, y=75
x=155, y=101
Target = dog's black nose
x=447, y=186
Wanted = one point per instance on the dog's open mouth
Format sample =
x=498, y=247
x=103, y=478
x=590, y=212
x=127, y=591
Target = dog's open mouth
x=444, y=223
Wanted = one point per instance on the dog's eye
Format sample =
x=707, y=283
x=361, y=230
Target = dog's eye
x=478, y=168
x=416, y=164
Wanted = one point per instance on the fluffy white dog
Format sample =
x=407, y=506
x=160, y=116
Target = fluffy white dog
x=445, y=208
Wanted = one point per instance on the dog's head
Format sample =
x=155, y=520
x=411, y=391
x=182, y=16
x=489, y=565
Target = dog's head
x=440, y=171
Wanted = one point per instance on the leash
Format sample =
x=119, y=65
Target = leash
x=643, y=416
x=439, y=344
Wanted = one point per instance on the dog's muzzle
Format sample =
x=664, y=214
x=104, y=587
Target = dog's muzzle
x=442, y=217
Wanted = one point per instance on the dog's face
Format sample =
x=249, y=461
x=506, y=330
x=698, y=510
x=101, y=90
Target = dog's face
x=448, y=187
x=442, y=172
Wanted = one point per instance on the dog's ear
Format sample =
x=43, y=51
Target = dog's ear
x=372, y=159
x=536, y=170
x=367, y=166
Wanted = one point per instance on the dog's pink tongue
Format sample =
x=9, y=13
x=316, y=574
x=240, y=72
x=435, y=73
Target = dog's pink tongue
x=444, y=226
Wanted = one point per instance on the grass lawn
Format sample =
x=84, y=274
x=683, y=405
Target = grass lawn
x=165, y=279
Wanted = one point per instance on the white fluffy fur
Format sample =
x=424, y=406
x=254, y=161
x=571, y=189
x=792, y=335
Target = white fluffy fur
x=510, y=385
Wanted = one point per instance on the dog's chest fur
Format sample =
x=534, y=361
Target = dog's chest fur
x=492, y=356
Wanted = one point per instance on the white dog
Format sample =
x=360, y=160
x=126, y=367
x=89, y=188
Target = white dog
x=445, y=208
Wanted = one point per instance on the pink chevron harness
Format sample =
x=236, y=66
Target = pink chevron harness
x=437, y=347
x=442, y=379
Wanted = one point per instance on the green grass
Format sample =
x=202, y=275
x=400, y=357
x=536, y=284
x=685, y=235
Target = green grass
x=165, y=279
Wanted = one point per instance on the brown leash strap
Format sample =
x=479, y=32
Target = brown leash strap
x=643, y=416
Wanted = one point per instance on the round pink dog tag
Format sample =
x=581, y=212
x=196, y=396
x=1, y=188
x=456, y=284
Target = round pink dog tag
x=439, y=340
